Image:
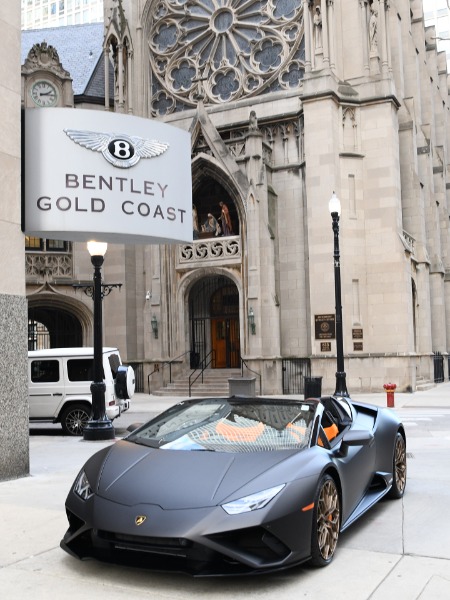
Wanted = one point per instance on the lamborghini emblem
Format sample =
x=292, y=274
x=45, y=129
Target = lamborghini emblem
x=140, y=519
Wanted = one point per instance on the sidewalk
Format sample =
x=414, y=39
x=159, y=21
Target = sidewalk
x=436, y=397
x=399, y=550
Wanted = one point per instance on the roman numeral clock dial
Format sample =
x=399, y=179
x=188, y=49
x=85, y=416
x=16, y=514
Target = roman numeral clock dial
x=44, y=93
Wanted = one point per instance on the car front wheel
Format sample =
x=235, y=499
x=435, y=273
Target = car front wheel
x=398, y=468
x=326, y=522
x=74, y=419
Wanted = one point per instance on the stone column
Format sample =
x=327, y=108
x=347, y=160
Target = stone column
x=308, y=42
x=325, y=44
x=106, y=61
x=120, y=68
x=382, y=37
x=331, y=33
x=129, y=90
x=365, y=35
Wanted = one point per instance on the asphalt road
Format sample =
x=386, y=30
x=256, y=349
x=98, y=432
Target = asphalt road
x=400, y=549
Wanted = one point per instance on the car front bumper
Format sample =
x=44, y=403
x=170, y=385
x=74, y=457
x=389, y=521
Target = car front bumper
x=200, y=541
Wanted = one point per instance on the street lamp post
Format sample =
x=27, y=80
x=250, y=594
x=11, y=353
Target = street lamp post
x=99, y=427
x=341, y=385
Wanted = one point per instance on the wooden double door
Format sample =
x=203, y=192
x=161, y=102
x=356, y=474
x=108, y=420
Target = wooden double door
x=225, y=342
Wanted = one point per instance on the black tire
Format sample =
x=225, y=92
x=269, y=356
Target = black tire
x=326, y=522
x=398, y=468
x=74, y=418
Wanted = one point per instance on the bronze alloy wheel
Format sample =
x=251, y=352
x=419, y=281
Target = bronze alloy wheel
x=399, y=468
x=327, y=513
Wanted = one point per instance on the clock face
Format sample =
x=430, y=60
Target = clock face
x=44, y=93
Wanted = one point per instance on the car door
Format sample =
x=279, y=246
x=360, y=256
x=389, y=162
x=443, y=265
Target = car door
x=45, y=385
x=356, y=470
x=355, y=463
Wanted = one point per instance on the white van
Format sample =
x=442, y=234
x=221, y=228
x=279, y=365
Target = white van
x=59, y=386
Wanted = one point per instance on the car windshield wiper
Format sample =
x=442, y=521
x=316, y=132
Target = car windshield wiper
x=149, y=442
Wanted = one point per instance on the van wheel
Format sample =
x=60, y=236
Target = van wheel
x=74, y=419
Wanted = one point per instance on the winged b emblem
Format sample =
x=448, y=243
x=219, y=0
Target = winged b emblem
x=121, y=150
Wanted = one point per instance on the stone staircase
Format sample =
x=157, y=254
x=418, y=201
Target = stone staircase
x=215, y=383
x=423, y=384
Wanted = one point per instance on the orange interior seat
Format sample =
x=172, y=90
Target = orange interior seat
x=331, y=432
x=239, y=434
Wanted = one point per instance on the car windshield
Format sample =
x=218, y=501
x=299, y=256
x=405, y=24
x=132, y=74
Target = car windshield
x=230, y=425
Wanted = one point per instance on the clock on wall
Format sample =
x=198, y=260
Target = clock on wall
x=44, y=93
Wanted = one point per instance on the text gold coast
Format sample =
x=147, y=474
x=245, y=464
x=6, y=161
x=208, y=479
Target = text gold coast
x=132, y=196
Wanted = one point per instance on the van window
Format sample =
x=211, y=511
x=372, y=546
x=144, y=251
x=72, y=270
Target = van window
x=44, y=371
x=80, y=369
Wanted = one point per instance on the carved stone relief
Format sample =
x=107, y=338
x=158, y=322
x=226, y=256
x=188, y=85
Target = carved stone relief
x=223, y=51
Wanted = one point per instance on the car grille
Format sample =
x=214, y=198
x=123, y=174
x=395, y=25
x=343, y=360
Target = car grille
x=175, y=546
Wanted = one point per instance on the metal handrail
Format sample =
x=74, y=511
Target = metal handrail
x=165, y=364
x=210, y=358
x=243, y=362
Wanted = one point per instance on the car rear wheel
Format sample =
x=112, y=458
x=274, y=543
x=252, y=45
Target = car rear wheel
x=74, y=419
x=399, y=468
x=326, y=522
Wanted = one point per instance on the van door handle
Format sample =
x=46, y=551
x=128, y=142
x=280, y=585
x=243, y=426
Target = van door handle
x=57, y=394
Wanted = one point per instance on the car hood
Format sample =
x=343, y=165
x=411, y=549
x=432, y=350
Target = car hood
x=177, y=479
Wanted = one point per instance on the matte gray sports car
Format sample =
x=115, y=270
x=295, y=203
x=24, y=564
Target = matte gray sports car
x=236, y=485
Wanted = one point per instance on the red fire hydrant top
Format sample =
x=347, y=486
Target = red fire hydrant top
x=390, y=387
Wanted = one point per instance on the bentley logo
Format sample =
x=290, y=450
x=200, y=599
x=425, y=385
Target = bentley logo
x=120, y=150
x=140, y=519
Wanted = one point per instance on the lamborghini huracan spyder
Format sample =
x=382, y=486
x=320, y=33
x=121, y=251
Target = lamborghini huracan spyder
x=236, y=485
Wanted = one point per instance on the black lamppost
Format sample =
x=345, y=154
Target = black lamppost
x=341, y=385
x=99, y=427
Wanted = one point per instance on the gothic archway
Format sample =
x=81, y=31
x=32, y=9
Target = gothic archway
x=214, y=322
x=53, y=328
x=58, y=321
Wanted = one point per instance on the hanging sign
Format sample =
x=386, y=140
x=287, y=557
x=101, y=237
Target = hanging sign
x=106, y=176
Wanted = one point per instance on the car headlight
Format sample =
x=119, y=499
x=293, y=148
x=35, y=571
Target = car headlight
x=252, y=502
x=82, y=487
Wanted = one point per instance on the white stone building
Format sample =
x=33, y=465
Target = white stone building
x=286, y=102
x=14, y=457
x=57, y=13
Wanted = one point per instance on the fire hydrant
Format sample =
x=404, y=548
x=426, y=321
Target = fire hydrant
x=390, y=388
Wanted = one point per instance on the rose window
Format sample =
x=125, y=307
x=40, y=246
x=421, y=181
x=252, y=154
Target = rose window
x=223, y=50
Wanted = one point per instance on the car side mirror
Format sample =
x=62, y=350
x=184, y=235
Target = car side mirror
x=355, y=438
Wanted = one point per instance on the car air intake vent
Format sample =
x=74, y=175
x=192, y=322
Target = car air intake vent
x=254, y=541
x=174, y=546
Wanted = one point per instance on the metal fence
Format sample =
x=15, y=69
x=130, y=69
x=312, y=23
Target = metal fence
x=438, y=367
x=138, y=377
x=295, y=370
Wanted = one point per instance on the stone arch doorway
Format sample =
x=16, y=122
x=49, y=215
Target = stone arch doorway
x=50, y=327
x=214, y=323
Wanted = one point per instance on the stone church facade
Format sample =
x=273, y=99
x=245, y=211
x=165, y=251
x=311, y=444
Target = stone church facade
x=286, y=102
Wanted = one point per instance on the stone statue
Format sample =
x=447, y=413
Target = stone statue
x=318, y=28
